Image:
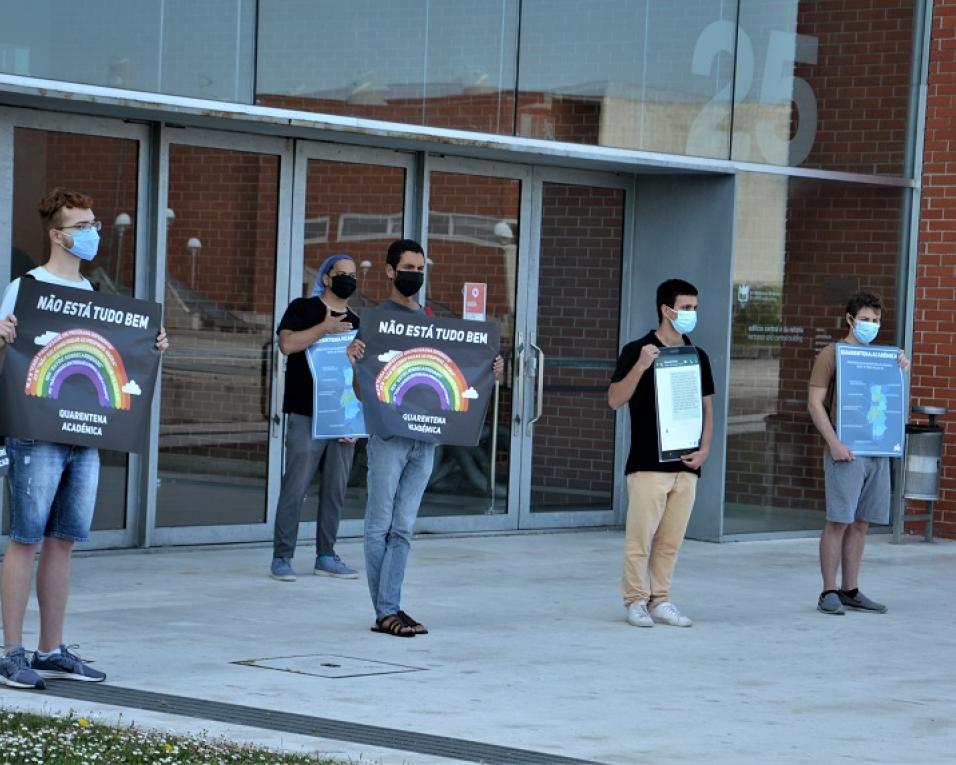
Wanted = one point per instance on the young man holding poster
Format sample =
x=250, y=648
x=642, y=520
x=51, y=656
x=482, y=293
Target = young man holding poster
x=398, y=468
x=660, y=492
x=306, y=320
x=857, y=487
x=53, y=486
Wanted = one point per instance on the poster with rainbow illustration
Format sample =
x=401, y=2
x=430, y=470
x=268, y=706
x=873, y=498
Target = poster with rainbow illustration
x=425, y=377
x=82, y=369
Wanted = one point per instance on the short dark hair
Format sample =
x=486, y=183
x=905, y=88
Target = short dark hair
x=668, y=291
x=863, y=300
x=396, y=248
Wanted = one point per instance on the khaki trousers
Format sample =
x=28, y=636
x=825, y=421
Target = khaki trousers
x=658, y=509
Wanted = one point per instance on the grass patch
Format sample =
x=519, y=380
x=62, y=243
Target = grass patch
x=30, y=739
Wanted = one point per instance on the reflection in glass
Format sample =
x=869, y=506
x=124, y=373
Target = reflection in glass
x=635, y=74
x=357, y=210
x=217, y=375
x=803, y=247
x=449, y=64
x=473, y=237
x=203, y=50
x=579, y=301
x=107, y=170
x=824, y=85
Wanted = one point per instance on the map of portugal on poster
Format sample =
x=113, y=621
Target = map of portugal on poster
x=426, y=378
x=336, y=410
x=82, y=369
x=870, y=399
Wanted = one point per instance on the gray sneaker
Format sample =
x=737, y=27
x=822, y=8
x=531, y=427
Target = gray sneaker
x=63, y=665
x=15, y=670
x=829, y=603
x=332, y=565
x=281, y=570
x=862, y=603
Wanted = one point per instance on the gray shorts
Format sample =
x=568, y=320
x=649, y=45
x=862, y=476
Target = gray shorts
x=858, y=489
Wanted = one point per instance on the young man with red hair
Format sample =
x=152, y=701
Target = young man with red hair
x=52, y=485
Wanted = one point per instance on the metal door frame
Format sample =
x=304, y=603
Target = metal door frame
x=255, y=144
x=12, y=118
x=534, y=406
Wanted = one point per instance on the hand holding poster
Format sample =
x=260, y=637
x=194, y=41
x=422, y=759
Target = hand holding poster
x=680, y=414
x=870, y=393
x=82, y=369
x=426, y=378
x=336, y=410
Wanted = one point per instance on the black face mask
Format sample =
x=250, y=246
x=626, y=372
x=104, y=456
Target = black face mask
x=409, y=282
x=343, y=285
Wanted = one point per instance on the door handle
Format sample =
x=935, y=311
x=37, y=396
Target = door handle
x=518, y=406
x=539, y=374
x=279, y=371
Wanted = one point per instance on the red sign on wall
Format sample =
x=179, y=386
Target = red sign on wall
x=476, y=301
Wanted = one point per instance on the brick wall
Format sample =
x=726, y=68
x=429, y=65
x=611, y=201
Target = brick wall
x=934, y=368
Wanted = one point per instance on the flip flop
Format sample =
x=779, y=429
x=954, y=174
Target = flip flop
x=393, y=625
x=417, y=627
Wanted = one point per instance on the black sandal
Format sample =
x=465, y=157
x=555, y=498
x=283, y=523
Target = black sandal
x=393, y=625
x=417, y=627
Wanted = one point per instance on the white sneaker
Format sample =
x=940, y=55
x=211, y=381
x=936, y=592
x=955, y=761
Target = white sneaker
x=637, y=615
x=667, y=613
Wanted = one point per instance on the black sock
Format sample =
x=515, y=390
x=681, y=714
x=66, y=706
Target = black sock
x=851, y=593
x=827, y=592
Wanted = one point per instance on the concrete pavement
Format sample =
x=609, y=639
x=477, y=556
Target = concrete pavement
x=529, y=649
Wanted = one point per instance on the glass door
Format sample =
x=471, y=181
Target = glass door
x=572, y=459
x=105, y=159
x=353, y=201
x=477, y=216
x=228, y=202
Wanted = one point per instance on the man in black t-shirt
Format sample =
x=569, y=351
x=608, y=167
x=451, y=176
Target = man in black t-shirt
x=660, y=494
x=305, y=321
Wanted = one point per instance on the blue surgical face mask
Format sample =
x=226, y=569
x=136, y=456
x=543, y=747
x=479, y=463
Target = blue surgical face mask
x=685, y=321
x=865, y=331
x=85, y=243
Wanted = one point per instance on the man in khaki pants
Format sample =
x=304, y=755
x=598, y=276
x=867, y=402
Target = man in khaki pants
x=660, y=494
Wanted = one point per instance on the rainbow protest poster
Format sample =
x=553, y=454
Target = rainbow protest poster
x=426, y=378
x=82, y=369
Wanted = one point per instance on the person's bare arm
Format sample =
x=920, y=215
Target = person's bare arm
x=620, y=392
x=291, y=341
x=818, y=413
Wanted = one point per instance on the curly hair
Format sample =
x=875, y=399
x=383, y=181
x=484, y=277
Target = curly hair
x=56, y=199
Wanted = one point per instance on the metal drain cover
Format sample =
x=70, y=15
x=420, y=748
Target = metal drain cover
x=328, y=665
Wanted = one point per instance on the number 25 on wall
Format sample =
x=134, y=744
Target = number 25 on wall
x=778, y=88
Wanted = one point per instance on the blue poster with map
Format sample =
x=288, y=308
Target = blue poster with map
x=336, y=410
x=870, y=399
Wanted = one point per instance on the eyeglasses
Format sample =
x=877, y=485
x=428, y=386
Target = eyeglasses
x=86, y=225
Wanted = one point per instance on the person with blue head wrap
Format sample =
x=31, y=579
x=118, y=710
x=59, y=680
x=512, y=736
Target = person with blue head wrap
x=306, y=321
x=319, y=288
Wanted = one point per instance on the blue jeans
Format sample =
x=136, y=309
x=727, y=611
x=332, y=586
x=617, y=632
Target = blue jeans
x=53, y=490
x=398, y=473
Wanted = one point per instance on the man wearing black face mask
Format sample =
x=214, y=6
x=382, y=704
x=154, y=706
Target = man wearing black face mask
x=305, y=321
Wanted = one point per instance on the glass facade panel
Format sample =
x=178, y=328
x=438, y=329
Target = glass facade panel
x=108, y=170
x=203, y=50
x=824, y=84
x=217, y=375
x=635, y=74
x=449, y=64
x=802, y=248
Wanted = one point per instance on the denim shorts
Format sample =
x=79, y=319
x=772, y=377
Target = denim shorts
x=53, y=490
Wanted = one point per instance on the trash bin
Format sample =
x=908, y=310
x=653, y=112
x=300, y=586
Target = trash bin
x=924, y=450
x=921, y=465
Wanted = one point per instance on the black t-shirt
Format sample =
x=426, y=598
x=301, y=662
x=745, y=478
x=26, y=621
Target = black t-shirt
x=304, y=313
x=643, y=407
